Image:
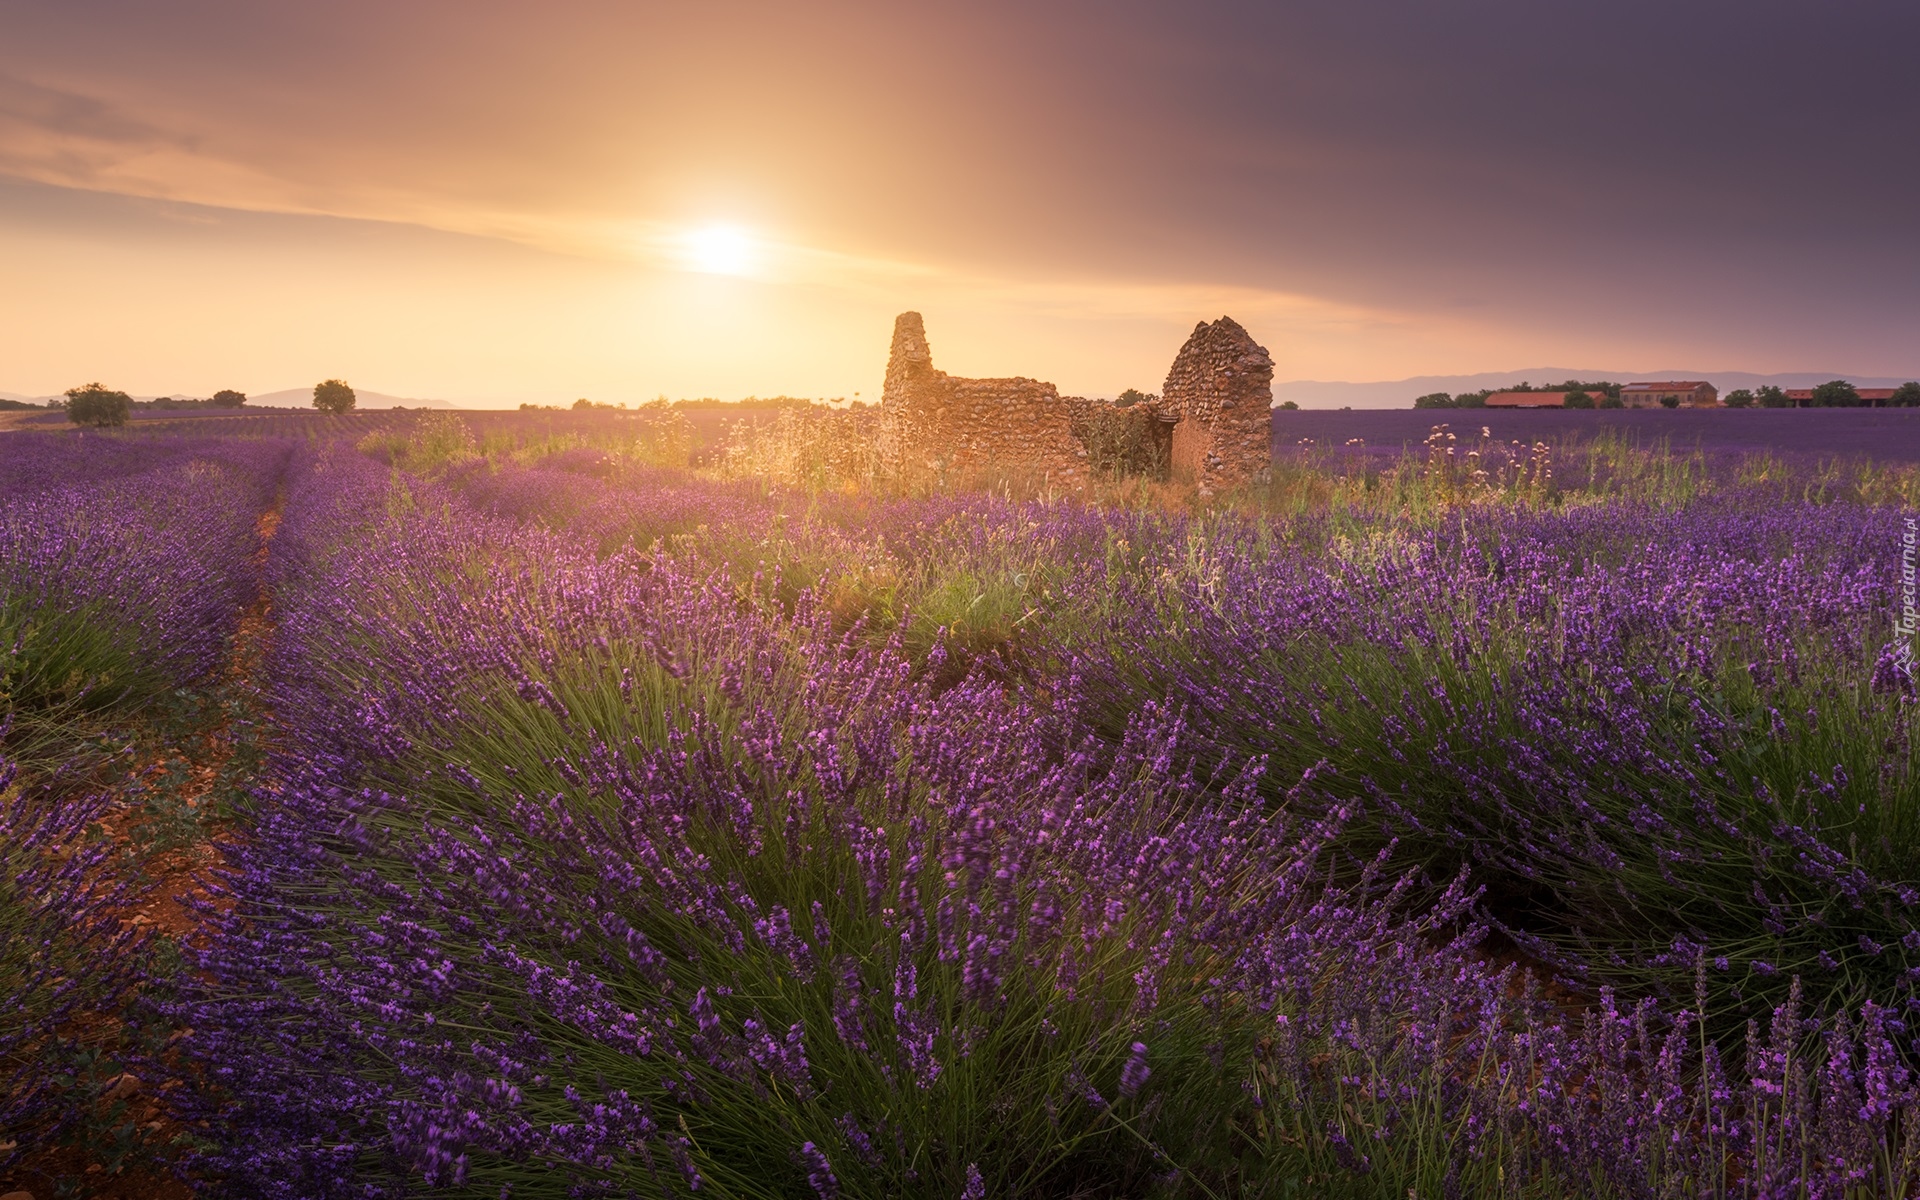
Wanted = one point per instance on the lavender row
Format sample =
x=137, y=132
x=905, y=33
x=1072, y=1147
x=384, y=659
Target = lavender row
x=37, y=462
x=1664, y=600
x=111, y=590
x=131, y=582
x=63, y=954
x=591, y=868
x=1648, y=732
x=764, y=741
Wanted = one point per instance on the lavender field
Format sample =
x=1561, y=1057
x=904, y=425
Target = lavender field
x=1889, y=435
x=506, y=806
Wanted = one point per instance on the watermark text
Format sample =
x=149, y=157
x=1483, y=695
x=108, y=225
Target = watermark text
x=1903, y=626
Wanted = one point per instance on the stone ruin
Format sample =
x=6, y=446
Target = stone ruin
x=1212, y=421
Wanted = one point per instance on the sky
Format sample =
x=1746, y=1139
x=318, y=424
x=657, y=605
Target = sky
x=500, y=202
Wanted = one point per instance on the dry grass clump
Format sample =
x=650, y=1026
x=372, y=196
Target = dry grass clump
x=821, y=448
x=655, y=434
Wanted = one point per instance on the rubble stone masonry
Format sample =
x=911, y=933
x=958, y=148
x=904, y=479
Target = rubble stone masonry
x=1219, y=393
x=1214, y=413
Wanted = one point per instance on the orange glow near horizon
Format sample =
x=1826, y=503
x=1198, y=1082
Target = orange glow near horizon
x=531, y=204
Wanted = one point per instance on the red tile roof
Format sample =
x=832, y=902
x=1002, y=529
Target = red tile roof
x=1528, y=400
x=1798, y=394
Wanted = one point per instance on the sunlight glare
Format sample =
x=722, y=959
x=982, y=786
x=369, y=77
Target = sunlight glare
x=719, y=250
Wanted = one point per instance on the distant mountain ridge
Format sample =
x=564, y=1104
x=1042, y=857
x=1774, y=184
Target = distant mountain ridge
x=1400, y=393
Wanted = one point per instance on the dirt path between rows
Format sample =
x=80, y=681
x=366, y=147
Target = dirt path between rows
x=174, y=817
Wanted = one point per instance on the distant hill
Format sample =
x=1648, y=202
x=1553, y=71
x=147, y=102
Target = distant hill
x=1399, y=393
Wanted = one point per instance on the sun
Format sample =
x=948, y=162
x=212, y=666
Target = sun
x=719, y=250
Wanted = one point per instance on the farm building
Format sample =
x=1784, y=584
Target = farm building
x=1869, y=397
x=1689, y=393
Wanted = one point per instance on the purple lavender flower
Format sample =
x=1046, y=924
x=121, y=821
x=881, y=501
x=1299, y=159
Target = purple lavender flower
x=976, y=1188
x=820, y=1175
x=1133, y=1076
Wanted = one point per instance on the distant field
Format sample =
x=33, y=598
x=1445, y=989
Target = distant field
x=710, y=426
x=1884, y=434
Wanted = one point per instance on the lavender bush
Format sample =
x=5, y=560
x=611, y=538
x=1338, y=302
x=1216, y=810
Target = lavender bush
x=1450, y=665
x=588, y=867
x=1648, y=732
x=124, y=585
x=63, y=954
x=113, y=591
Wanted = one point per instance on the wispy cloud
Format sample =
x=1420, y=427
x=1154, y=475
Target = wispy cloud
x=69, y=139
x=1388, y=189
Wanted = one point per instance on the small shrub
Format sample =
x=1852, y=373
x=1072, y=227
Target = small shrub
x=98, y=406
x=435, y=440
x=812, y=447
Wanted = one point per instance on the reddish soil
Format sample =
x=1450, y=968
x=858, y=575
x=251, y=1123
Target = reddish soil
x=175, y=879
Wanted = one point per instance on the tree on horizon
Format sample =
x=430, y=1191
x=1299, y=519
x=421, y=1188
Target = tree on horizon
x=333, y=396
x=1836, y=393
x=98, y=405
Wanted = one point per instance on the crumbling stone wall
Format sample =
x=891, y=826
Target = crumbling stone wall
x=1219, y=392
x=940, y=423
x=1212, y=418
